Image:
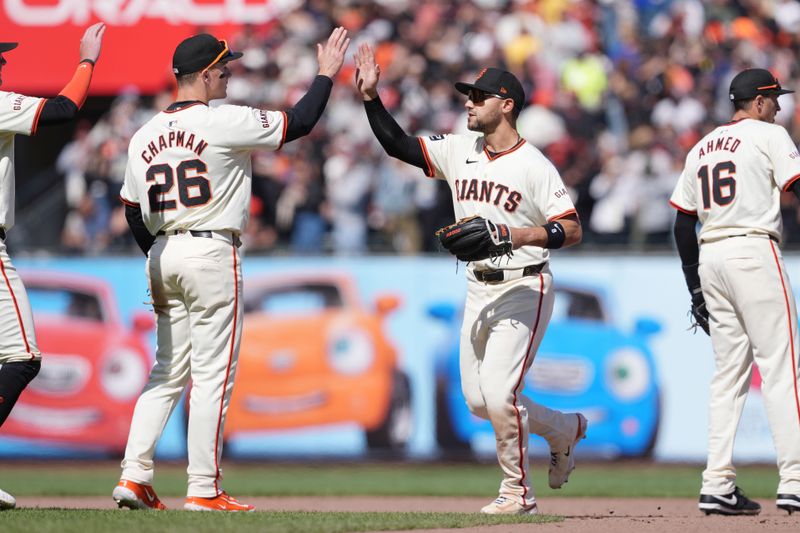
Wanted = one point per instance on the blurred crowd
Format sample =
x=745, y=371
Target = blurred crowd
x=618, y=91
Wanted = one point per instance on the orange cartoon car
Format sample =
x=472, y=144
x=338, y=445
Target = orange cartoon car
x=312, y=354
x=93, y=366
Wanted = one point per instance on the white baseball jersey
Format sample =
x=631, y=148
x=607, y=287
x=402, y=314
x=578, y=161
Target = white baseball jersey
x=733, y=178
x=519, y=187
x=504, y=323
x=18, y=114
x=190, y=168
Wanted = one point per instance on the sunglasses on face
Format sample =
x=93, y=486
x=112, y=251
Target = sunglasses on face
x=479, y=96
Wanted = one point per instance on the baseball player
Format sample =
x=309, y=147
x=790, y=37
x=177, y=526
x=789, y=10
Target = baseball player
x=20, y=358
x=500, y=177
x=187, y=196
x=731, y=184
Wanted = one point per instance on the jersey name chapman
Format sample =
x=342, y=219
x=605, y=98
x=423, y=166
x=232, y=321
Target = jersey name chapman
x=175, y=139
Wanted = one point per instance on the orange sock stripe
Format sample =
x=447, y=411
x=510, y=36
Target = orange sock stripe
x=78, y=87
x=791, y=336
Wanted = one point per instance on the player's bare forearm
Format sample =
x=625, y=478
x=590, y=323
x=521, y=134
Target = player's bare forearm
x=331, y=56
x=537, y=235
x=368, y=72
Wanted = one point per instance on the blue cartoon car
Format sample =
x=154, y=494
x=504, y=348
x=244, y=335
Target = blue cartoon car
x=585, y=363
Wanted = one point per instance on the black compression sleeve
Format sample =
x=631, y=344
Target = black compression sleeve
x=304, y=115
x=686, y=239
x=392, y=137
x=57, y=110
x=140, y=232
x=795, y=188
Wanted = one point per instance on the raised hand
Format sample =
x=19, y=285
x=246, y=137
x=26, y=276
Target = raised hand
x=331, y=56
x=367, y=72
x=92, y=41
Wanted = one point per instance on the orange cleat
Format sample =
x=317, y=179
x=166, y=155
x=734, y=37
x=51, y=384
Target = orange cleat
x=222, y=502
x=136, y=496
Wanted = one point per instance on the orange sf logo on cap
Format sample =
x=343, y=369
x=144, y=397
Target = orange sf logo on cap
x=480, y=74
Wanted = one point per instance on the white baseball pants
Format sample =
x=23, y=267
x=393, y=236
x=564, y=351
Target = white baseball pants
x=196, y=286
x=17, y=336
x=753, y=318
x=504, y=323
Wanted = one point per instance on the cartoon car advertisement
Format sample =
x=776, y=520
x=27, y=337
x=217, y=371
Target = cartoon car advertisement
x=93, y=366
x=313, y=354
x=586, y=363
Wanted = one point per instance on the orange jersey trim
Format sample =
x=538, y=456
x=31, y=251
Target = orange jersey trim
x=285, y=127
x=184, y=108
x=78, y=87
x=35, y=126
x=518, y=387
x=231, y=353
x=790, y=324
x=791, y=182
x=430, y=172
x=128, y=202
x=16, y=310
x=563, y=215
x=501, y=154
x=682, y=209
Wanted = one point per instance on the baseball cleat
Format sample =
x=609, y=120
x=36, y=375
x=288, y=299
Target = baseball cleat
x=562, y=462
x=7, y=501
x=503, y=505
x=136, y=496
x=221, y=502
x=788, y=502
x=734, y=503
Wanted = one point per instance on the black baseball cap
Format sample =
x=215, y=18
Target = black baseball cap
x=497, y=82
x=201, y=52
x=754, y=81
x=5, y=47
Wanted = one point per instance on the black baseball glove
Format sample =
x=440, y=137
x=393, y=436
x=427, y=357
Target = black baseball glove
x=475, y=238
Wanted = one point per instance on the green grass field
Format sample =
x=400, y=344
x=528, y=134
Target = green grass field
x=620, y=480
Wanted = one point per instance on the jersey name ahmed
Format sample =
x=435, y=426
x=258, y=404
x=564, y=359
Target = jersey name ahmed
x=519, y=187
x=733, y=179
x=191, y=168
x=18, y=114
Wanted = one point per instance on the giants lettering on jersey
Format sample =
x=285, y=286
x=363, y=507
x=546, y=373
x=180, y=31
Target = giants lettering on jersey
x=176, y=138
x=18, y=102
x=489, y=192
x=729, y=144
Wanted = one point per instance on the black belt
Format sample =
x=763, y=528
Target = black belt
x=2, y=234
x=193, y=233
x=494, y=276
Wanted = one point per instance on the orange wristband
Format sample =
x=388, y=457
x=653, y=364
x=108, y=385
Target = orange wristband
x=78, y=87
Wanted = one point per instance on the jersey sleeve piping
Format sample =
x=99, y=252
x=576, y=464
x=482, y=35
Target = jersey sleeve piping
x=788, y=186
x=682, y=209
x=35, y=125
x=128, y=202
x=429, y=171
x=563, y=215
x=285, y=126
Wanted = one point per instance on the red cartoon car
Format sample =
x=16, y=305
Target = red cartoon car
x=93, y=366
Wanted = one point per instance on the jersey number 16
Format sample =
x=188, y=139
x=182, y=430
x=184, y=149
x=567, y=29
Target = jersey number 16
x=722, y=185
x=193, y=187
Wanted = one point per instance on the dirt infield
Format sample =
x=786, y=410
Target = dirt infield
x=599, y=515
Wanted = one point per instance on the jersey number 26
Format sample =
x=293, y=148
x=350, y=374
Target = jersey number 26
x=193, y=187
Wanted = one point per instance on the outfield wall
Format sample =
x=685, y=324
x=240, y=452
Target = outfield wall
x=632, y=287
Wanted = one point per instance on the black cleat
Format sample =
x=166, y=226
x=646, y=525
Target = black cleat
x=734, y=503
x=788, y=502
